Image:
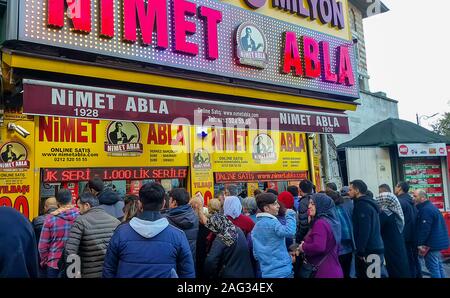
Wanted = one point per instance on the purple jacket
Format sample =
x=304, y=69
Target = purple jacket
x=319, y=242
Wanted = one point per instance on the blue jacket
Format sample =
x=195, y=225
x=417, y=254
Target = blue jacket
x=148, y=246
x=269, y=246
x=431, y=228
x=366, y=227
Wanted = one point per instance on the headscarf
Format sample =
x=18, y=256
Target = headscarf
x=287, y=199
x=232, y=207
x=389, y=203
x=223, y=227
x=326, y=209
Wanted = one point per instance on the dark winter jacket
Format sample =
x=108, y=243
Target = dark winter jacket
x=89, y=238
x=394, y=247
x=303, y=225
x=366, y=227
x=148, y=246
x=38, y=223
x=229, y=262
x=111, y=202
x=431, y=228
x=18, y=251
x=410, y=214
x=184, y=218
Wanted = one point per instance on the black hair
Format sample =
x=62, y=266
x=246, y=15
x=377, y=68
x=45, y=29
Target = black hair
x=256, y=192
x=64, y=196
x=180, y=195
x=272, y=191
x=96, y=184
x=293, y=190
x=335, y=196
x=265, y=199
x=232, y=189
x=385, y=188
x=331, y=185
x=404, y=186
x=152, y=196
x=130, y=198
x=89, y=198
x=359, y=185
x=306, y=186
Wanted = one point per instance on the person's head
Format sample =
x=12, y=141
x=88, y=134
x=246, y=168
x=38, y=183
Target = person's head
x=357, y=189
x=320, y=204
x=8, y=147
x=267, y=202
x=221, y=197
x=131, y=207
x=231, y=190
x=306, y=187
x=95, y=185
x=119, y=126
x=178, y=197
x=287, y=199
x=335, y=196
x=293, y=190
x=151, y=196
x=249, y=206
x=273, y=191
x=401, y=188
x=214, y=206
x=344, y=191
x=63, y=197
x=420, y=196
x=293, y=251
x=86, y=201
x=384, y=188
x=330, y=186
x=50, y=203
x=248, y=30
x=232, y=207
x=256, y=192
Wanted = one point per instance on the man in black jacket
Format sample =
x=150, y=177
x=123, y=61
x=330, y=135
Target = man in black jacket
x=306, y=190
x=182, y=216
x=50, y=205
x=409, y=231
x=366, y=227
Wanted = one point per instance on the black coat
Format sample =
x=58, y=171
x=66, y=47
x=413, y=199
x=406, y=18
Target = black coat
x=394, y=247
x=38, y=223
x=410, y=213
x=366, y=227
x=229, y=262
x=302, y=224
x=18, y=251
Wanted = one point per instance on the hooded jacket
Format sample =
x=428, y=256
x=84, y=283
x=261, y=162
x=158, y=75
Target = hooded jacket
x=410, y=214
x=111, y=202
x=269, y=246
x=148, y=247
x=89, y=238
x=54, y=235
x=366, y=227
x=184, y=218
x=18, y=252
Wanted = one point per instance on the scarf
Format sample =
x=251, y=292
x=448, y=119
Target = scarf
x=326, y=209
x=232, y=207
x=223, y=227
x=389, y=204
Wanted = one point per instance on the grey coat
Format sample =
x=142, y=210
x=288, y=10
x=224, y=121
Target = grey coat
x=89, y=238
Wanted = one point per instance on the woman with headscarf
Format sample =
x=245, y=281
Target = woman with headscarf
x=232, y=209
x=321, y=244
x=391, y=225
x=229, y=256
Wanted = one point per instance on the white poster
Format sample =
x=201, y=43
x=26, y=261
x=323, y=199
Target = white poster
x=418, y=150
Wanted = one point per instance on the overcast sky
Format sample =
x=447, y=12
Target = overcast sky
x=408, y=56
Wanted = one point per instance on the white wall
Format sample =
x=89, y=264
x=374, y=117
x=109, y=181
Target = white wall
x=372, y=165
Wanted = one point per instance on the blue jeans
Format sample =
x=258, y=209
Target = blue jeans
x=433, y=262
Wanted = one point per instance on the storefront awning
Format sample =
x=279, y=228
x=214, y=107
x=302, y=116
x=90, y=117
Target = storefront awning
x=67, y=100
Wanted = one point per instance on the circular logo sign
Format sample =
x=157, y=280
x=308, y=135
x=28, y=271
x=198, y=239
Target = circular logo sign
x=264, y=149
x=251, y=46
x=403, y=149
x=122, y=133
x=13, y=151
x=201, y=159
x=441, y=150
x=255, y=3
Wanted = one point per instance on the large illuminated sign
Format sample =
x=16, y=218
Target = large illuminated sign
x=200, y=35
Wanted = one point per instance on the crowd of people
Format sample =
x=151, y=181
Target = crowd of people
x=297, y=233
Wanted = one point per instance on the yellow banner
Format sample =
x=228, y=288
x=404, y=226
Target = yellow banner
x=77, y=143
x=16, y=165
x=202, y=178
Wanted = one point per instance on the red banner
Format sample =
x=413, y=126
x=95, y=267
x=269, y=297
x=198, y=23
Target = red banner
x=64, y=175
x=66, y=100
x=259, y=176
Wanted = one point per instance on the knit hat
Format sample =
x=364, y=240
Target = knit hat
x=287, y=199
